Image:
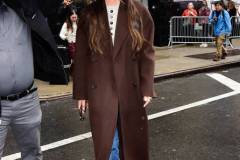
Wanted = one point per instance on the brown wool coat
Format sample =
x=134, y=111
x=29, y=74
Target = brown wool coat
x=114, y=85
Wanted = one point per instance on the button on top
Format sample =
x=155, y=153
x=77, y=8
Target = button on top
x=112, y=11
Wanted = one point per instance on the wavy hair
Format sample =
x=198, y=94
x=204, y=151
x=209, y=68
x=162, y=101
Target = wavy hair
x=97, y=29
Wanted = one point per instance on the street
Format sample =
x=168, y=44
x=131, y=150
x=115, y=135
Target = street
x=195, y=117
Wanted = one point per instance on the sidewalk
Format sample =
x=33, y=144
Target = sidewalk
x=169, y=62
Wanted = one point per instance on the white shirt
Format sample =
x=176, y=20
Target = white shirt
x=69, y=35
x=238, y=11
x=112, y=11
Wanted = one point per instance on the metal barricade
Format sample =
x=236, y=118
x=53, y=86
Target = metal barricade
x=190, y=30
x=235, y=30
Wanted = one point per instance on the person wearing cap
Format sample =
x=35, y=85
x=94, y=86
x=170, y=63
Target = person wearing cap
x=222, y=27
x=28, y=51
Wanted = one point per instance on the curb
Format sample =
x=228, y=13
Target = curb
x=161, y=77
x=193, y=71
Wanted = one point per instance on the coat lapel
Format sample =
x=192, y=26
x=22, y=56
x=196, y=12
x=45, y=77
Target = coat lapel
x=121, y=29
x=109, y=44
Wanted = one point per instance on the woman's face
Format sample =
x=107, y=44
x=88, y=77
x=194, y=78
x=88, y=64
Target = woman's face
x=74, y=17
x=190, y=6
x=230, y=5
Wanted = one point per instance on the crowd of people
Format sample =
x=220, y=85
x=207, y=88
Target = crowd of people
x=205, y=10
x=220, y=17
x=69, y=27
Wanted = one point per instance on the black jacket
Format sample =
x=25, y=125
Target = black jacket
x=48, y=64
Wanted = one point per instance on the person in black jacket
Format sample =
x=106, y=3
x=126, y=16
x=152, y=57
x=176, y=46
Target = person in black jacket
x=47, y=62
x=28, y=50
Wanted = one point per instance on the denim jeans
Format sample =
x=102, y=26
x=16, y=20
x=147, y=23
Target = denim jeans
x=115, y=147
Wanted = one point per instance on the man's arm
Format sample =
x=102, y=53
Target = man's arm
x=50, y=7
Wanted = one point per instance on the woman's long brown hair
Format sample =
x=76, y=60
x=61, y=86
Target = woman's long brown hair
x=69, y=21
x=97, y=29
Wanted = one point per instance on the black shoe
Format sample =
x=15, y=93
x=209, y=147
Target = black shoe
x=216, y=59
x=224, y=55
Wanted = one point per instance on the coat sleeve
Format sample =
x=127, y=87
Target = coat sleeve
x=49, y=8
x=147, y=57
x=80, y=65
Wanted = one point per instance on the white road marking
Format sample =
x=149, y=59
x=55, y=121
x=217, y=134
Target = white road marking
x=225, y=81
x=192, y=105
x=54, y=145
x=222, y=79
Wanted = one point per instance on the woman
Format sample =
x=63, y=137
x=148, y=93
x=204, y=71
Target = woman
x=231, y=8
x=190, y=11
x=189, y=22
x=114, y=69
x=68, y=32
x=205, y=12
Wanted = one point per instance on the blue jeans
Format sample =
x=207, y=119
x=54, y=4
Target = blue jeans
x=115, y=147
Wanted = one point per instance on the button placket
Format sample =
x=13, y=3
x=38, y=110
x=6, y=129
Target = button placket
x=111, y=16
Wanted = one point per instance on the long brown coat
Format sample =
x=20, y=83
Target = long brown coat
x=114, y=85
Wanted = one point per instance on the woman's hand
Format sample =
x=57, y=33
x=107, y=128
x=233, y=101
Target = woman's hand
x=82, y=106
x=146, y=100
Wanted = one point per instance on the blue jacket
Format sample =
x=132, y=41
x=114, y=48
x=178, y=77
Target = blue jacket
x=223, y=25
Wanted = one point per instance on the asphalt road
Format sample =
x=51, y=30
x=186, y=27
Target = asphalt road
x=194, y=118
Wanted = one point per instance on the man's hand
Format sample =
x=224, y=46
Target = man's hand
x=67, y=2
x=215, y=18
x=146, y=100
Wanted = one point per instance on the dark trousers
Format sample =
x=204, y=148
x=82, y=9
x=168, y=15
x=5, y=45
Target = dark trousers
x=24, y=117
